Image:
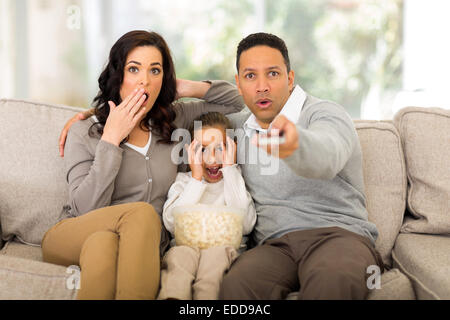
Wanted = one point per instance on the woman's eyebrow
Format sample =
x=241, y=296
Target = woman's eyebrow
x=140, y=64
x=135, y=62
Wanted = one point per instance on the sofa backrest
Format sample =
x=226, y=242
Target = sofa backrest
x=425, y=136
x=33, y=188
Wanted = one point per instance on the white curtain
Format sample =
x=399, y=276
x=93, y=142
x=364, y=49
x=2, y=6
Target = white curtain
x=7, y=45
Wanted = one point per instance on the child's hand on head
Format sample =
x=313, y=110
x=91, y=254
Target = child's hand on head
x=195, y=159
x=229, y=156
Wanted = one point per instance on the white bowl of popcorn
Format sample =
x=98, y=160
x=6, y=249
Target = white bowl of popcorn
x=206, y=226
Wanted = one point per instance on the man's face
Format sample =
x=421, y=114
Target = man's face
x=264, y=82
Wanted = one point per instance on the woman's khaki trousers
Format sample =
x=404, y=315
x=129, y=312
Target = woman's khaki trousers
x=116, y=247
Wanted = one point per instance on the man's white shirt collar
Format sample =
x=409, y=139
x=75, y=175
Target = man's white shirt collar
x=290, y=110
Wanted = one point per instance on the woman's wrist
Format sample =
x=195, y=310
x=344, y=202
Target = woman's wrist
x=111, y=140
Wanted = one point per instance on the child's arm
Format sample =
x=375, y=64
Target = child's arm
x=236, y=195
x=187, y=189
x=184, y=191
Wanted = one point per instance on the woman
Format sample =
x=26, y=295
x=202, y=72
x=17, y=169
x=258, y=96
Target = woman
x=119, y=169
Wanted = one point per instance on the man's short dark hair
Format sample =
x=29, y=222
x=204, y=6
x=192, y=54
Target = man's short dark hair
x=263, y=39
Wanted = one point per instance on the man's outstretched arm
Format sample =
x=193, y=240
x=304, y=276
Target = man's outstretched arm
x=319, y=151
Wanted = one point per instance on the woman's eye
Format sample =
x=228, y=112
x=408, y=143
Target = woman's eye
x=133, y=69
x=156, y=71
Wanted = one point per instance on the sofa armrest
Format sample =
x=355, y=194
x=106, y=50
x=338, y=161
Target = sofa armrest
x=1, y=240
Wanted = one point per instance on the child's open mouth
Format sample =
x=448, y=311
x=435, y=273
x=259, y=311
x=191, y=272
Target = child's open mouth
x=213, y=172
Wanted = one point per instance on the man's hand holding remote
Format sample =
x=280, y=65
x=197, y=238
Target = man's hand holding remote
x=283, y=136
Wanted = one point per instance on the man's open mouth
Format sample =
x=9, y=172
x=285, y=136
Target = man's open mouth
x=213, y=172
x=264, y=103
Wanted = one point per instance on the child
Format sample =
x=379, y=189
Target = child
x=214, y=179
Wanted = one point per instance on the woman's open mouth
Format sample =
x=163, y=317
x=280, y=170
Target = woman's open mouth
x=213, y=172
x=146, y=98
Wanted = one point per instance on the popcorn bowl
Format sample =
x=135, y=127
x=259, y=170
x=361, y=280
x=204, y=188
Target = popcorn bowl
x=205, y=226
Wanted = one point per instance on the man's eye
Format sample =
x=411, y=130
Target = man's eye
x=203, y=149
x=250, y=75
x=273, y=73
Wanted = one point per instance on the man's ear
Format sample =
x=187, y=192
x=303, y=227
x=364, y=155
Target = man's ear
x=291, y=80
x=236, y=77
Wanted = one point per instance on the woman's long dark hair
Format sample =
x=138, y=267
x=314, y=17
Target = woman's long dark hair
x=162, y=114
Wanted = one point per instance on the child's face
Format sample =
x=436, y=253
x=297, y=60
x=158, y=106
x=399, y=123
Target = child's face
x=212, y=159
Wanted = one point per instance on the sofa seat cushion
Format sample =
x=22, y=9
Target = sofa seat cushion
x=23, y=279
x=394, y=285
x=20, y=250
x=384, y=180
x=425, y=136
x=425, y=259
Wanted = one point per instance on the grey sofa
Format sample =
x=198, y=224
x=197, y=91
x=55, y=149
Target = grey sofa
x=407, y=180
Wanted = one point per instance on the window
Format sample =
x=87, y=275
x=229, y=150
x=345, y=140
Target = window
x=357, y=53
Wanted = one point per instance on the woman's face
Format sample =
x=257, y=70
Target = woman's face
x=143, y=69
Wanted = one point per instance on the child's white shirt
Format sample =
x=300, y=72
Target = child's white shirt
x=229, y=191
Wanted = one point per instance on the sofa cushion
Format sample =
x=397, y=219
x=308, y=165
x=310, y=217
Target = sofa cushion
x=33, y=188
x=1, y=239
x=384, y=179
x=23, y=279
x=425, y=134
x=20, y=250
x=425, y=259
x=394, y=285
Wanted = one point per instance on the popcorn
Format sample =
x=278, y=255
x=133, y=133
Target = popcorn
x=206, y=226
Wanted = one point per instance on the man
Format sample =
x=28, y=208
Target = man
x=312, y=231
